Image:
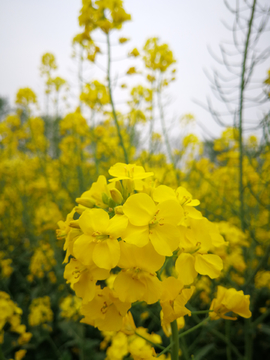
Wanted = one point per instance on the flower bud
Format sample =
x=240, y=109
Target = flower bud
x=74, y=224
x=87, y=202
x=116, y=196
x=119, y=210
x=105, y=198
x=80, y=209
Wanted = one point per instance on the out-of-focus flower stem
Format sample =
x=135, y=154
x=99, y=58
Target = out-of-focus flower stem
x=112, y=103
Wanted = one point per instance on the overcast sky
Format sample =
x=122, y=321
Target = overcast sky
x=29, y=28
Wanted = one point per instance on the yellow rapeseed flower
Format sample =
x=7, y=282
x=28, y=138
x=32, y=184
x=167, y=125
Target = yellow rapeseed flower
x=230, y=300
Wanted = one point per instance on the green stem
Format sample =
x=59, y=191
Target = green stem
x=164, y=351
x=183, y=346
x=184, y=334
x=262, y=262
x=228, y=348
x=201, y=312
x=53, y=346
x=227, y=342
x=193, y=328
x=2, y=357
x=162, y=268
x=248, y=340
x=260, y=318
x=151, y=121
x=240, y=127
x=174, y=341
x=151, y=342
x=164, y=130
x=112, y=103
x=248, y=336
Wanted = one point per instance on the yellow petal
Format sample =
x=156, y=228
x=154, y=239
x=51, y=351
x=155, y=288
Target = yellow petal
x=128, y=287
x=165, y=239
x=152, y=290
x=192, y=212
x=106, y=254
x=162, y=193
x=116, y=225
x=139, y=209
x=83, y=249
x=208, y=264
x=171, y=288
x=184, y=266
x=170, y=211
x=217, y=239
x=137, y=235
x=93, y=220
x=181, y=300
x=160, y=244
x=148, y=259
x=144, y=258
x=113, y=321
x=85, y=288
x=237, y=302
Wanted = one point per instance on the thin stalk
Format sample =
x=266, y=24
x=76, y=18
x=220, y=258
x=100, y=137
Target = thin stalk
x=183, y=334
x=151, y=121
x=193, y=328
x=164, y=130
x=47, y=105
x=228, y=348
x=248, y=340
x=53, y=346
x=174, y=341
x=151, y=342
x=262, y=262
x=162, y=268
x=56, y=103
x=201, y=312
x=260, y=318
x=248, y=336
x=112, y=103
x=240, y=127
x=2, y=357
x=227, y=341
x=80, y=71
x=183, y=346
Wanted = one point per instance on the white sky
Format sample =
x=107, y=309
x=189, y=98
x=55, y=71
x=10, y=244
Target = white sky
x=29, y=28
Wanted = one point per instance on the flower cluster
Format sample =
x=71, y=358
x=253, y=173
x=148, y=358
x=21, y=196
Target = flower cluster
x=40, y=312
x=131, y=228
x=10, y=314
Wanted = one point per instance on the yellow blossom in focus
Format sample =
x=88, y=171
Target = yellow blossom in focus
x=105, y=311
x=123, y=171
x=138, y=281
x=173, y=300
x=151, y=222
x=230, y=300
x=98, y=243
